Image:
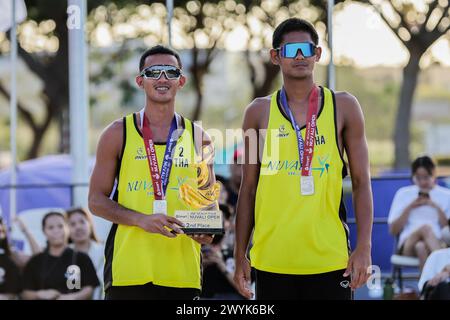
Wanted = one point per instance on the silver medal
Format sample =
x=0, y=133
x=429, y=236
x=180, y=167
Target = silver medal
x=160, y=206
x=307, y=185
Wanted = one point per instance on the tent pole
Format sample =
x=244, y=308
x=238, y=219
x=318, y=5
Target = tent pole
x=78, y=100
x=331, y=69
x=13, y=110
x=169, y=5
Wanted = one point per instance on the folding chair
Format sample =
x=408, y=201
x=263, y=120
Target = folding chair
x=398, y=262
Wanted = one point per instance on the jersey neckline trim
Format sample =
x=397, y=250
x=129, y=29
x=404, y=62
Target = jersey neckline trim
x=280, y=109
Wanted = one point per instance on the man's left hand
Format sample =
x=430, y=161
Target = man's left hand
x=359, y=267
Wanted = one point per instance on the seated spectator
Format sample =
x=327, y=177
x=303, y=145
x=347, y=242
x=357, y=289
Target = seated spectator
x=84, y=239
x=233, y=184
x=218, y=266
x=227, y=242
x=419, y=212
x=434, y=282
x=59, y=272
x=446, y=234
x=223, y=196
x=10, y=282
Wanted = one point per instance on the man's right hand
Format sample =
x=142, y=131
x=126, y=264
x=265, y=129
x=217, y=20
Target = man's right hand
x=159, y=223
x=242, y=277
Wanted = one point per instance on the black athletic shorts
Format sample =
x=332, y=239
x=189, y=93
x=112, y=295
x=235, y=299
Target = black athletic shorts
x=323, y=286
x=149, y=291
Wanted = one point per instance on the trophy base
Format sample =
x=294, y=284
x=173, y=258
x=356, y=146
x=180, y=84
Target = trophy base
x=201, y=222
x=203, y=231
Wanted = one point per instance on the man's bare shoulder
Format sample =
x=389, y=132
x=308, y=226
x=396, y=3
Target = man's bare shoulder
x=259, y=104
x=111, y=139
x=198, y=130
x=257, y=111
x=348, y=110
x=345, y=102
x=114, y=130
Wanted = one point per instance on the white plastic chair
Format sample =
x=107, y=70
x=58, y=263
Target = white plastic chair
x=399, y=262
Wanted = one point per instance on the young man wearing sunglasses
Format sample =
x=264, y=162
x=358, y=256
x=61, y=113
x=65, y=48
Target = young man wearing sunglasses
x=291, y=197
x=145, y=158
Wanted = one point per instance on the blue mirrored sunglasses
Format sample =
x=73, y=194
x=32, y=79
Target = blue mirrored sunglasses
x=290, y=50
x=155, y=72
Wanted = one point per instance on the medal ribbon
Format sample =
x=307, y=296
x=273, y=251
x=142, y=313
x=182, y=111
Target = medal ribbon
x=305, y=148
x=159, y=180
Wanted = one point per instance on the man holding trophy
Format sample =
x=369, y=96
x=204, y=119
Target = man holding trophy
x=154, y=180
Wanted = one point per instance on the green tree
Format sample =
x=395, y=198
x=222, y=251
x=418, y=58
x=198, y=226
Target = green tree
x=260, y=21
x=204, y=26
x=201, y=24
x=51, y=66
x=417, y=28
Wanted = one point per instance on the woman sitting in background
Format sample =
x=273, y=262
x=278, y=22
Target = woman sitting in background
x=84, y=239
x=434, y=282
x=218, y=265
x=10, y=281
x=419, y=212
x=59, y=272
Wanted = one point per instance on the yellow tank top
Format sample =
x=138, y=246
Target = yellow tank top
x=297, y=234
x=134, y=256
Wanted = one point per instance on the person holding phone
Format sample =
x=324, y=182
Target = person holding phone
x=420, y=212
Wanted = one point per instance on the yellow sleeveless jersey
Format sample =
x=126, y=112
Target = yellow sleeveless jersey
x=134, y=256
x=294, y=233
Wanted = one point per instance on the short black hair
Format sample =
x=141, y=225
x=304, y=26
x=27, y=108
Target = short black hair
x=4, y=244
x=423, y=162
x=293, y=24
x=51, y=214
x=70, y=212
x=159, y=49
x=226, y=210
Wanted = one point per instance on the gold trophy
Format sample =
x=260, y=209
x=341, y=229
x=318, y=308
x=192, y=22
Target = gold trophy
x=204, y=218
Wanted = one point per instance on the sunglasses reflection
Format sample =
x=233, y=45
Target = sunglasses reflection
x=155, y=72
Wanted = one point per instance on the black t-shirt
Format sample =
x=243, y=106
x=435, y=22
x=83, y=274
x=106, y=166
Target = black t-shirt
x=215, y=282
x=45, y=271
x=232, y=196
x=10, y=280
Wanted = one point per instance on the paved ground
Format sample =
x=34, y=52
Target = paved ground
x=377, y=294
